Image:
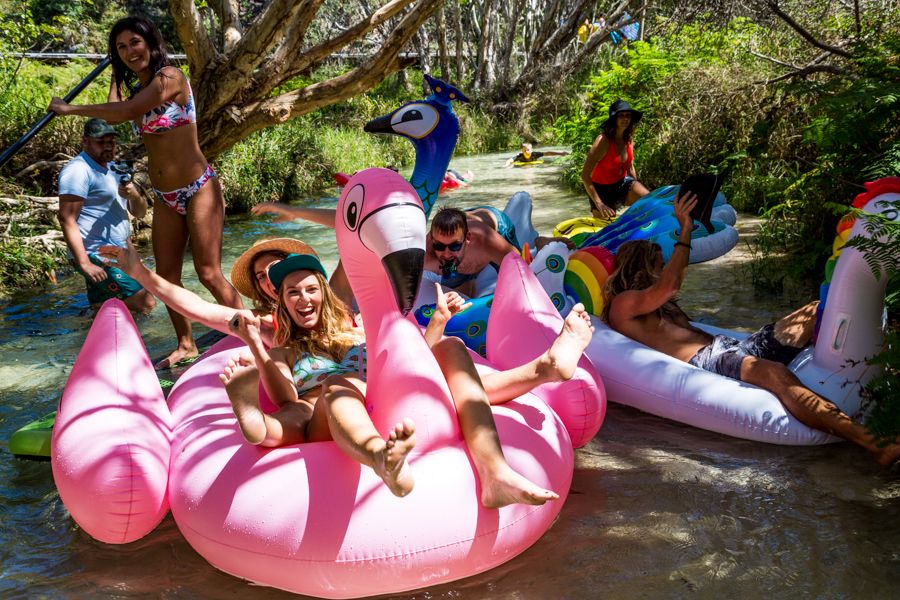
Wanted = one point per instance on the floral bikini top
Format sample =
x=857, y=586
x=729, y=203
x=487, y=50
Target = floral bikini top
x=310, y=371
x=167, y=116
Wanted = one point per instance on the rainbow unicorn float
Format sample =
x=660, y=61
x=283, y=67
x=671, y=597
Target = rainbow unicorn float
x=307, y=518
x=850, y=331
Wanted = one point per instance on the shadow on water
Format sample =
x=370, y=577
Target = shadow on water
x=656, y=509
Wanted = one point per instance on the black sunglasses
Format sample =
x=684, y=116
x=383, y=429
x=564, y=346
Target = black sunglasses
x=453, y=246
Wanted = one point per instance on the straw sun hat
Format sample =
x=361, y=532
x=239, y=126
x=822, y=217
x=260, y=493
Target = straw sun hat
x=242, y=275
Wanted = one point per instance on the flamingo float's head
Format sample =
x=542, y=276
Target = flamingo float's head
x=432, y=118
x=380, y=215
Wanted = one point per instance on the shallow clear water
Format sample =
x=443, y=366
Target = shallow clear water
x=656, y=510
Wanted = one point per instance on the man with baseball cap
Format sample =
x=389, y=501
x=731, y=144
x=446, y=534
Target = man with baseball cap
x=93, y=212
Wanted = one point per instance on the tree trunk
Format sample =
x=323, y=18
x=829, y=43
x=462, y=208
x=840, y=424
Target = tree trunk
x=481, y=55
x=422, y=48
x=503, y=75
x=235, y=78
x=443, y=55
x=457, y=26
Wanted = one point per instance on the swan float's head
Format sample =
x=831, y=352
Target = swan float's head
x=380, y=220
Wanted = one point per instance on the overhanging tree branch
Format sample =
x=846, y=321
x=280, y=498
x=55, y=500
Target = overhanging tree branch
x=235, y=122
x=773, y=6
x=188, y=25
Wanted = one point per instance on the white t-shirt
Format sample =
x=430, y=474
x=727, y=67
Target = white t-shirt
x=104, y=216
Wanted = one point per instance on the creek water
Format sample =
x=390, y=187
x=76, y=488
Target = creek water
x=656, y=509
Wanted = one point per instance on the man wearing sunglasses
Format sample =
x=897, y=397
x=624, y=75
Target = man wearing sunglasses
x=461, y=245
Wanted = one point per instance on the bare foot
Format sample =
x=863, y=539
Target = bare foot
x=177, y=355
x=504, y=486
x=241, y=381
x=390, y=462
x=567, y=348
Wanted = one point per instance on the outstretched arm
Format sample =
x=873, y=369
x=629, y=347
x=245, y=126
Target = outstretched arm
x=634, y=303
x=555, y=153
x=285, y=212
x=182, y=301
x=166, y=85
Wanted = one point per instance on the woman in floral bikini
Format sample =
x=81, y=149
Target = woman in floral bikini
x=161, y=108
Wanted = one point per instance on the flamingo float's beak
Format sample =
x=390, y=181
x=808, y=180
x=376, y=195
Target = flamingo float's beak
x=404, y=268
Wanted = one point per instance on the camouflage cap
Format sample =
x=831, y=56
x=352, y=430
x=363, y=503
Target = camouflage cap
x=97, y=128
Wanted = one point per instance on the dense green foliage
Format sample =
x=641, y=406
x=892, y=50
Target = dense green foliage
x=799, y=152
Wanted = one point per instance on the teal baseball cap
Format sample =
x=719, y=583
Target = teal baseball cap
x=291, y=263
x=97, y=128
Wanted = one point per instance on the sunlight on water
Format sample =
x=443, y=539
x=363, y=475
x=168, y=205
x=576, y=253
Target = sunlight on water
x=656, y=509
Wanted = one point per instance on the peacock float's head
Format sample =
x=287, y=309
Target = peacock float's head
x=431, y=119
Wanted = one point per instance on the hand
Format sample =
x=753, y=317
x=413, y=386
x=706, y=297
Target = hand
x=245, y=325
x=541, y=241
x=448, y=304
x=59, y=106
x=128, y=190
x=282, y=212
x=604, y=212
x=126, y=259
x=94, y=273
x=683, y=206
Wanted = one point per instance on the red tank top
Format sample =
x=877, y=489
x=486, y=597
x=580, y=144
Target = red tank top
x=610, y=168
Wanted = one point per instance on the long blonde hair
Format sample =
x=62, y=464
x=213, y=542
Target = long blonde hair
x=635, y=270
x=333, y=336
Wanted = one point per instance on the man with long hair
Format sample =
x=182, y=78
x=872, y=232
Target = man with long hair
x=639, y=302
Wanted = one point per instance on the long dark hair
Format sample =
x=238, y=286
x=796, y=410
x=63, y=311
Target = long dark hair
x=145, y=28
x=636, y=270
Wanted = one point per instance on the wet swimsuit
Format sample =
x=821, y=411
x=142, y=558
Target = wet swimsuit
x=116, y=285
x=310, y=371
x=167, y=116
x=178, y=199
x=610, y=177
x=505, y=227
x=724, y=354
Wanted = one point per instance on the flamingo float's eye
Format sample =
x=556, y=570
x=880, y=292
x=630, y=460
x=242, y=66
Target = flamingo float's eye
x=415, y=120
x=353, y=206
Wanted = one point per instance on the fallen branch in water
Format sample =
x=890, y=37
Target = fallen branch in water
x=51, y=240
x=57, y=161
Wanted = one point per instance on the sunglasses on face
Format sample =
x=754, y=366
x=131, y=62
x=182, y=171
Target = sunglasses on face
x=452, y=246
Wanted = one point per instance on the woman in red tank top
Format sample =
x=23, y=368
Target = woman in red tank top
x=608, y=175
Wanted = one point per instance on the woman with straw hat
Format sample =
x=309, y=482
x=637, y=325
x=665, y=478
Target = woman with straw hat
x=249, y=275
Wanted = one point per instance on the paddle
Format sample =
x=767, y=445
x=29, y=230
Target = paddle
x=9, y=152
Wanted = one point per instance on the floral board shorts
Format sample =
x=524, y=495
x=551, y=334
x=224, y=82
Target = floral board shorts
x=725, y=354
